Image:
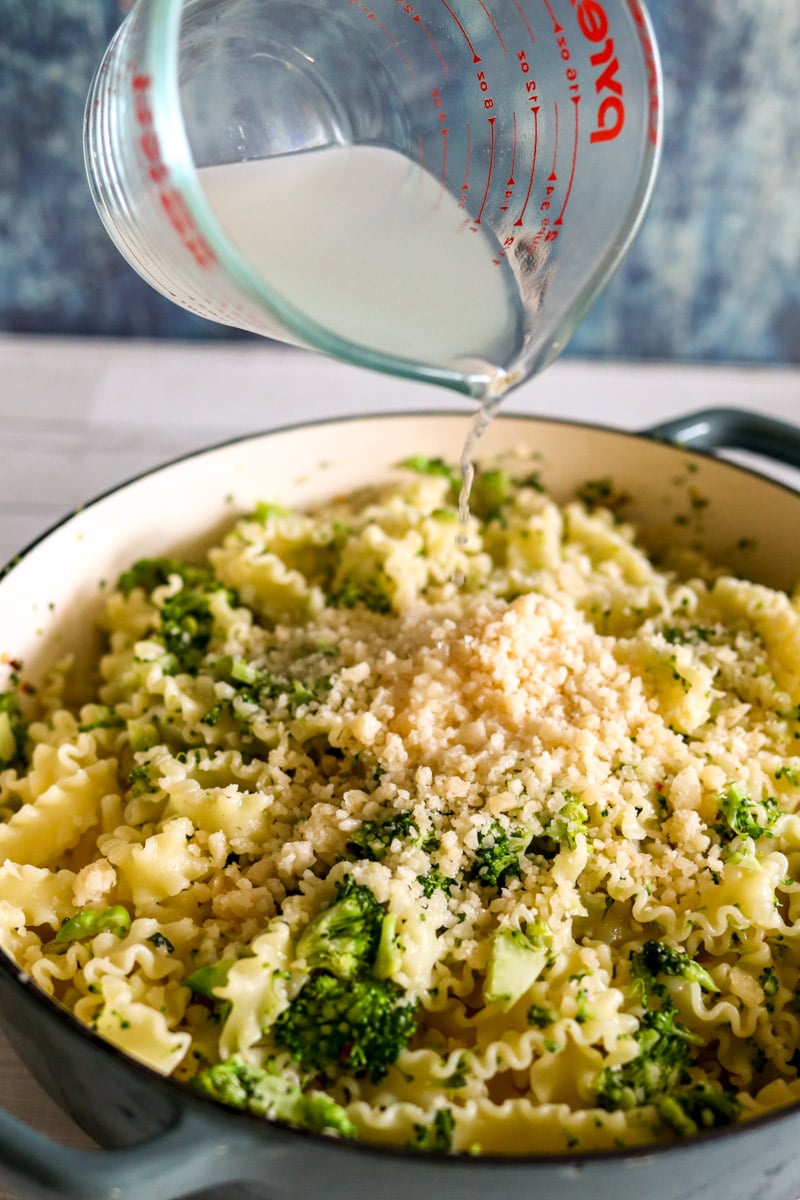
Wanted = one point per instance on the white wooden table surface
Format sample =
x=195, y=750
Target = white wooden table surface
x=78, y=417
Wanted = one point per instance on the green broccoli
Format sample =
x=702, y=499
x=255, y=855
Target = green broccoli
x=13, y=731
x=517, y=958
x=358, y=1025
x=497, y=856
x=434, y=466
x=561, y=831
x=658, y=1069
x=373, y=839
x=697, y=1107
x=434, y=880
x=344, y=937
x=89, y=923
x=568, y=823
x=205, y=980
x=743, y=817
x=655, y=958
x=266, y=1094
x=436, y=1138
x=255, y=684
x=490, y=491
x=539, y=1017
x=187, y=625
x=150, y=573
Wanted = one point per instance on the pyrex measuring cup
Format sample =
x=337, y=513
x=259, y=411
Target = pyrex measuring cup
x=436, y=189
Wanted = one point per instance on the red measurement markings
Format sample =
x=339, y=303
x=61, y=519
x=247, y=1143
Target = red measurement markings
x=171, y=199
x=479, y=217
x=556, y=27
x=370, y=15
x=560, y=218
x=493, y=24
x=438, y=102
x=652, y=70
x=462, y=203
x=521, y=216
x=552, y=177
x=412, y=13
x=511, y=182
x=476, y=58
x=524, y=19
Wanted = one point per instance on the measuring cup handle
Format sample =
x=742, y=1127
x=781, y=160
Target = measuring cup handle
x=732, y=429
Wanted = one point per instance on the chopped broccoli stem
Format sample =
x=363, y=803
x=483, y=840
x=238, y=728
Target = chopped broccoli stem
x=205, y=979
x=266, y=1094
x=344, y=937
x=358, y=1025
x=490, y=491
x=89, y=923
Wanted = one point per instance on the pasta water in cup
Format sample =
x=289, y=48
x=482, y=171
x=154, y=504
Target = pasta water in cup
x=435, y=190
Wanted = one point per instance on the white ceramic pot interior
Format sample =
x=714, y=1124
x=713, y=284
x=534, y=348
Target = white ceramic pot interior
x=50, y=600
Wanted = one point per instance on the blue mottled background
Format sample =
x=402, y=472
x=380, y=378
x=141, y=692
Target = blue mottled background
x=713, y=276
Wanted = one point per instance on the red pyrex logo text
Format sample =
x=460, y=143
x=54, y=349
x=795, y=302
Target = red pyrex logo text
x=593, y=24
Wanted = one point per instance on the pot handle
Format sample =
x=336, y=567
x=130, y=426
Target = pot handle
x=732, y=429
x=192, y=1155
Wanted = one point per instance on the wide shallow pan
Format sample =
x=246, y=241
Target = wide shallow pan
x=160, y=1139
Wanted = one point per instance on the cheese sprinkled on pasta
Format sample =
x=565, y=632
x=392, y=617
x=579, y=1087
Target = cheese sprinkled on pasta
x=484, y=848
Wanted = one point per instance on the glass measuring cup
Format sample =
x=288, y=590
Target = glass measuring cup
x=436, y=189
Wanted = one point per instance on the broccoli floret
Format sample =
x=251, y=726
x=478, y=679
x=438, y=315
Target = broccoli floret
x=433, y=881
x=355, y=594
x=741, y=816
x=88, y=923
x=540, y=1017
x=436, y=1138
x=568, y=823
x=187, y=625
x=373, y=839
x=562, y=830
x=700, y=1106
x=345, y=936
x=266, y=1094
x=358, y=1025
x=149, y=573
x=497, y=856
x=658, y=1069
x=13, y=731
x=655, y=958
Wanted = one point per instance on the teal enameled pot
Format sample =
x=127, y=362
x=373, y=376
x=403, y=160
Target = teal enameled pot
x=160, y=1140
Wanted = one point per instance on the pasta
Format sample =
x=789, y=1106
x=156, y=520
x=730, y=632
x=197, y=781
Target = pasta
x=472, y=845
